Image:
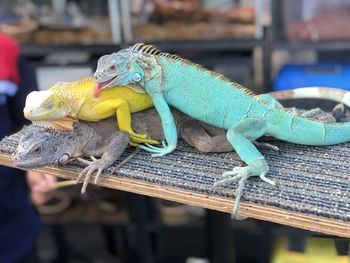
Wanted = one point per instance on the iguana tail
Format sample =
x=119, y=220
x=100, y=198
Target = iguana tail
x=301, y=130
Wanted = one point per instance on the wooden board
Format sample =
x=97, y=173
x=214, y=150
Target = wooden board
x=267, y=213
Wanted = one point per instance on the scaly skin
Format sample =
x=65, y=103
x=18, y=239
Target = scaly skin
x=210, y=97
x=101, y=139
x=47, y=146
x=59, y=106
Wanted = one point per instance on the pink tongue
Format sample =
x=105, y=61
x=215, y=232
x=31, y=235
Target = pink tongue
x=96, y=91
x=99, y=86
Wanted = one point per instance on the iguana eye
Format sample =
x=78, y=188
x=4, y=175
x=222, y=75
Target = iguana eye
x=112, y=67
x=37, y=150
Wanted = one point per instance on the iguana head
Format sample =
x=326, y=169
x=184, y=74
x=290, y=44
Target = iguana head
x=45, y=105
x=119, y=69
x=44, y=147
x=48, y=109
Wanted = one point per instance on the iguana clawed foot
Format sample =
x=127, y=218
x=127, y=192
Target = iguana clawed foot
x=136, y=139
x=241, y=174
x=94, y=165
x=158, y=151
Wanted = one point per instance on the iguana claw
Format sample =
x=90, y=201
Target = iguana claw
x=267, y=145
x=136, y=139
x=95, y=164
x=124, y=161
x=241, y=174
x=158, y=151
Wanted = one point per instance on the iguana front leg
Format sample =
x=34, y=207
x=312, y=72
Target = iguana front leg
x=169, y=128
x=241, y=136
x=113, y=151
x=124, y=120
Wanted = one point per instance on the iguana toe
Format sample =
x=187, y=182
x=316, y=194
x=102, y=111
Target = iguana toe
x=137, y=136
x=133, y=144
x=267, y=145
x=94, y=165
x=241, y=174
x=97, y=178
x=138, y=140
x=158, y=151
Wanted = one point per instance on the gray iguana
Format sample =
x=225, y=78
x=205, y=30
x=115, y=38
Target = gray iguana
x=101, y=139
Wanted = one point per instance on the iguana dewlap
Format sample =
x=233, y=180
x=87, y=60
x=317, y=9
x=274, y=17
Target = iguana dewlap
x=66, y=102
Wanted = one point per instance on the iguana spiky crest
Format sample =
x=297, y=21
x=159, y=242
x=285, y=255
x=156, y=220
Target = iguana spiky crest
x=145, y=56
x=151, y=50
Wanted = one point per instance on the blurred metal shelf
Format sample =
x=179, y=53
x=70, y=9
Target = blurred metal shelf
x=319, y=46
x=32, y=50
x=209, y=45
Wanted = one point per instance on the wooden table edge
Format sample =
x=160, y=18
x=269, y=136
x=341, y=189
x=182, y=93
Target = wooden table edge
x=222, y=204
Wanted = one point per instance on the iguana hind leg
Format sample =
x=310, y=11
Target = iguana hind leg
x=241, y=136
x=208, y=139
x=194, y=134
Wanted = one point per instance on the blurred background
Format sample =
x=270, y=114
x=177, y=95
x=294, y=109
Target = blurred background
x=263, y=44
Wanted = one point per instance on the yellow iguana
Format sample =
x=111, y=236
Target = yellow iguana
x=67, y=102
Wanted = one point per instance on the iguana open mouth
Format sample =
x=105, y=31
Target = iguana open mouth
x=98, y=86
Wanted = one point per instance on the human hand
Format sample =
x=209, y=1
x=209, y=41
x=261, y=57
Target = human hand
x=41, y=186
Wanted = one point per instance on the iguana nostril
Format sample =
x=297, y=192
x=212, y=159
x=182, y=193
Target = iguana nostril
x=97, y=75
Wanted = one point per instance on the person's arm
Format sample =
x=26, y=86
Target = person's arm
x=41, y=186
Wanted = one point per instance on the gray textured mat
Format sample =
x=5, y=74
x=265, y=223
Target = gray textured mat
x=311, y=180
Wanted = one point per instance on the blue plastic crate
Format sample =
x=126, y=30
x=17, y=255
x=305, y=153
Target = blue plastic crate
x=335, y=75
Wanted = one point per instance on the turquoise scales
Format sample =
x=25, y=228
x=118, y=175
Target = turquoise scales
x=214, y=99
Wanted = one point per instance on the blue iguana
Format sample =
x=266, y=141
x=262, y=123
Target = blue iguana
x=214, y=99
